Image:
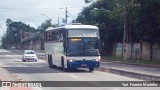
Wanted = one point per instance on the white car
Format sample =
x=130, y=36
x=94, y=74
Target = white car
x=29, y=55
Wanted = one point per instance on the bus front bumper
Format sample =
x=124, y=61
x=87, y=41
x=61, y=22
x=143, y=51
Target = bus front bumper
x=83, y=64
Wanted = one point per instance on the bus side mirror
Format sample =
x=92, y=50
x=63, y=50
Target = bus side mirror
x=65, y=46
x=102, y=47
x=102, y=44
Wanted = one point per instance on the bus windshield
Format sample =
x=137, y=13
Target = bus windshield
x=83, y=47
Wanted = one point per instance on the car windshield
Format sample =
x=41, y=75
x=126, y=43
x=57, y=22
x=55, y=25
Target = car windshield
x=29, y=52
x=83, y=47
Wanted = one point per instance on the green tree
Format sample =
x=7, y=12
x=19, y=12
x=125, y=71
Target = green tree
x=45, y=25
x=14, y=33
x=142, y=20
x=88, y=1
x=108, y=16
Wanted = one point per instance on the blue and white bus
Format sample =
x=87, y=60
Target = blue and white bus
x=73, y=46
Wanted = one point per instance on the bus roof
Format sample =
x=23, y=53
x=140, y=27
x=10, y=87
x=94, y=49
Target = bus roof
x=73, y=27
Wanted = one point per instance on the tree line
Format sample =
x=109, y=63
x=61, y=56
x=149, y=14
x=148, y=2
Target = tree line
x=15, y=32
x=140, y=18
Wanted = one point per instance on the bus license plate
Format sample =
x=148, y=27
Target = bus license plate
x=83, y=64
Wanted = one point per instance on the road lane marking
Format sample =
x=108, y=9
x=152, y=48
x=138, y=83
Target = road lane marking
x=74, y=76
x=115, y=89
x=4, y=88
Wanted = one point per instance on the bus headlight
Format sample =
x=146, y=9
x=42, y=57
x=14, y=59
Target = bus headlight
x=97, y=60
x=71, y=60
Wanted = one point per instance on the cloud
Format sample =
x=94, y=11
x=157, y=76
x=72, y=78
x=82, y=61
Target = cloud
x=32, y=24
x=29, y=11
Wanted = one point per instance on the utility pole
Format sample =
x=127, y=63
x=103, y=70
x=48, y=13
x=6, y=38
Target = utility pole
x=58, y=21
x=125, y=35
x=66, y=15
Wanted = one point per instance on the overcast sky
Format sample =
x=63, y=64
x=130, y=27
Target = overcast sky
x=29, y=11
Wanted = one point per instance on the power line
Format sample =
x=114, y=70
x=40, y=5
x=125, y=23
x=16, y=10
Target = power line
x=4, y=8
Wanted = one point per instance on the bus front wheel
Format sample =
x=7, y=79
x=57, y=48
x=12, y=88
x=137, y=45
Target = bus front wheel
x=91, y=69
x=62, y=64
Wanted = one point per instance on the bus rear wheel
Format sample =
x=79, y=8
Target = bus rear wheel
x=50, y=61
x=91, y=69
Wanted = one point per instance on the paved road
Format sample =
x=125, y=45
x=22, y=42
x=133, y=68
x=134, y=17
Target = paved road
x=12, y=68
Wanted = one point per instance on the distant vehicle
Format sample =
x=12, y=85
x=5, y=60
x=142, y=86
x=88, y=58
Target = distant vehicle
x=29, y=55
x=73, y=46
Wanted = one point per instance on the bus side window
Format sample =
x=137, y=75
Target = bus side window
x=54, y=35
x=50, y=36
x=47, y=36
x=57, y=38
x=61, y=36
